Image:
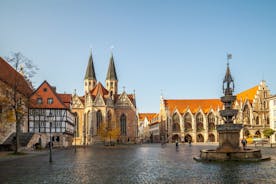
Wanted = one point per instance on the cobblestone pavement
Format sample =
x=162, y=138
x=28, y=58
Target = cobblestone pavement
x=143, y=164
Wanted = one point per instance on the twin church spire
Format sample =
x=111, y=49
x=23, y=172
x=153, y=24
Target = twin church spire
x=90, y=79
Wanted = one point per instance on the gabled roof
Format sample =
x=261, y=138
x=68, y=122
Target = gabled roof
x=82, y=99
x=45, y=91
x=90, y=71
x=10, y=76
x=66, y=99
x=111, y=73
x=248, y=94
x=99, y=89
x=131, y=97
x=193, y=104
x=149, y=116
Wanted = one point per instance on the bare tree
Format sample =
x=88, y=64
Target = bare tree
x=21, y=89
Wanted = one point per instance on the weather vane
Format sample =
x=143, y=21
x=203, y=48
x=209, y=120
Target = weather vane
x=229, y=56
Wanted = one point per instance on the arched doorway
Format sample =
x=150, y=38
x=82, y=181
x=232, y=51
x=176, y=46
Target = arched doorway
x=246, y=133
x=187, y=138
x=258, y=133
x=175, y=138
x=211, y=138
x=199, y=138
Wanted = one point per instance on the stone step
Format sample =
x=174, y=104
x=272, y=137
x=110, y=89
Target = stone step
x=24, y=139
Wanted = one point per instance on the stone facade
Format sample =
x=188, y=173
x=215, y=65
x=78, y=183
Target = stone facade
x=272, y=116
x=102, y=110
x=144, y=126
x=196, y=119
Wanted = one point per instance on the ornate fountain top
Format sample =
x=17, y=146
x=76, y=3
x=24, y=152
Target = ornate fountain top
x=228, y=82
x=228, y=99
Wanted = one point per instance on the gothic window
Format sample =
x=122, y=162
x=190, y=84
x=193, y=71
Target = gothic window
x=89, y=83
x=176, y=122
x=246, y=115
x=99, y=119
x=1, y=109
x=211, y=121
x=257, y=120
x=85, y=83
x=123, y=124
x=199, y=122
x=109, y=120
x=187, y=122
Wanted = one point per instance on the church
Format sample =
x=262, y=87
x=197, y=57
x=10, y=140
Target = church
x=104, y=114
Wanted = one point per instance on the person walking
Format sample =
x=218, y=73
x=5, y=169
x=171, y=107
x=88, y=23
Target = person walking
x=244, y=142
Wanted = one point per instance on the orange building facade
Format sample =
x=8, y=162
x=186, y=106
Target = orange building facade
x=196, y=119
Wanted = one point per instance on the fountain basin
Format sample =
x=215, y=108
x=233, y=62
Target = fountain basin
x=252, y=155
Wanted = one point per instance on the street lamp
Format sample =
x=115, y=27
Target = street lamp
x=50, y=116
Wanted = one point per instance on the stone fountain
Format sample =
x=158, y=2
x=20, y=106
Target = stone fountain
x=229, y=133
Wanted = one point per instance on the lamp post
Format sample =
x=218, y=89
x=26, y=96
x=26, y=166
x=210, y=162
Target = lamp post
x=50, y=146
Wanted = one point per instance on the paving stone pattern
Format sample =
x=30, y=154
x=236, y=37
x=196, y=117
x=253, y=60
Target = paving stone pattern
x=143, y=164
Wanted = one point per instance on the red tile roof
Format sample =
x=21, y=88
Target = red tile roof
x=10, y=76
x=193, y=104
x=248, y=94
x=99, y=89
x=149, y=116
x=66, y=99
x=45, y=91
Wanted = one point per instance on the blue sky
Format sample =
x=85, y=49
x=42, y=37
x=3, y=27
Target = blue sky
x=177, y=47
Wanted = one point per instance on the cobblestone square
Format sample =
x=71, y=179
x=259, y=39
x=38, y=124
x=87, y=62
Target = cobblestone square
x=134, y=164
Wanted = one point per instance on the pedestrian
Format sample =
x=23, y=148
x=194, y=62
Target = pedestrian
x=190, y=142
x=244, y=142
x=176, y=143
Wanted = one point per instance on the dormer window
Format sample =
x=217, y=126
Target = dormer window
x=50, y=100
x=39, y=100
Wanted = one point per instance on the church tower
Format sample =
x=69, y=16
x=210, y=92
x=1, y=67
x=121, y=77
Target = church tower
x=90, y=76
x=111, y=78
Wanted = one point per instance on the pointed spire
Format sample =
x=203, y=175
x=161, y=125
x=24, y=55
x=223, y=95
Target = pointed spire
x=90, y=71
x=228, y=77
x=228, y=82
x=111, y=73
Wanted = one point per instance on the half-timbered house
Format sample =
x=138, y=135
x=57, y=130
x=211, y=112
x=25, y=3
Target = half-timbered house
x=50, y=112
